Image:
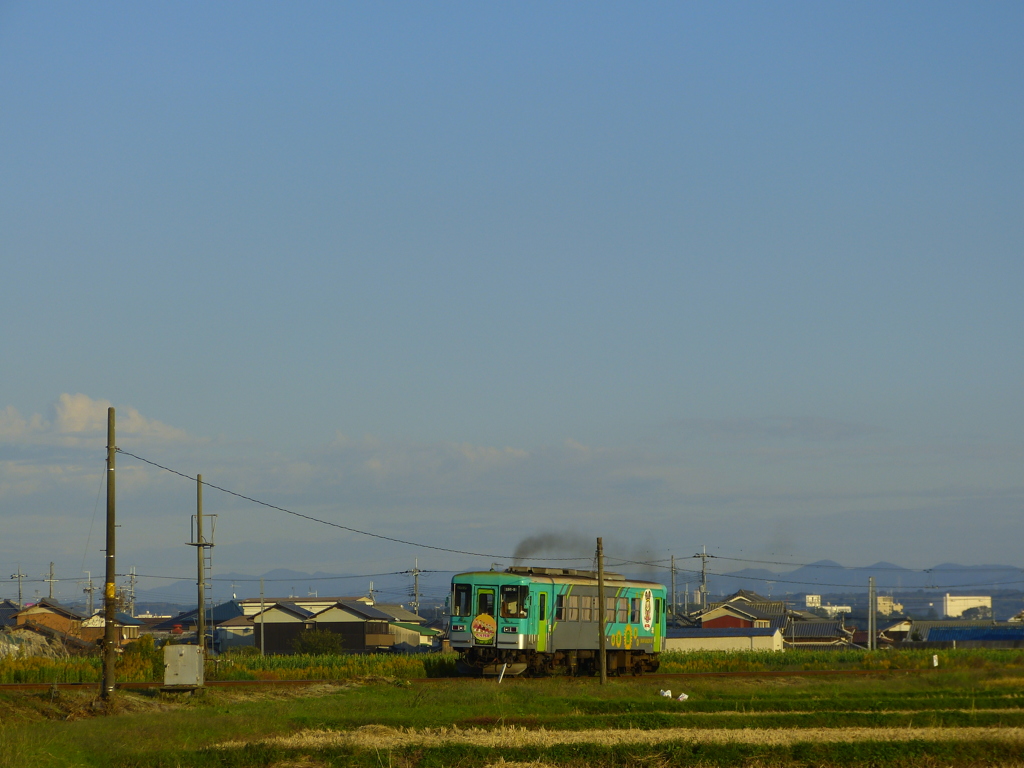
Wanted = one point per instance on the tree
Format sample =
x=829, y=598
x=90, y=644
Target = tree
x=978, y=612
x=318, y=642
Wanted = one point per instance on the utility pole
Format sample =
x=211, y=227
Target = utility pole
x=872, y=609
x=674, y=585
x=703, y=555
x=109, y=590
x=51, y=581
x=19, y=576
x=603, y=659
x=131, y=593
x=200, y=576
x=88, y=591
x=262, y=608
x=416, y=587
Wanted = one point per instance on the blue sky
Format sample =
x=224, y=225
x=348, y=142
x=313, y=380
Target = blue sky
x=743, y=276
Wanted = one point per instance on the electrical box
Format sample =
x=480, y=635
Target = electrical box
x=183, y=666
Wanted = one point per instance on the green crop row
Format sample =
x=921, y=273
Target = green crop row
x=145, y=664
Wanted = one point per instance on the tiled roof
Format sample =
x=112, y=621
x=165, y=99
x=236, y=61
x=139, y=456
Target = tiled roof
x=721, y=632
x=56, y=607
x=220, y=613
x=815, y=629
x=398, y=613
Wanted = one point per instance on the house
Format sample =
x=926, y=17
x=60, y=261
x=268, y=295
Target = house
x=279, y=625
x=399, y=613
x=236, y=632
x=745, y=609
x=362, y=627
x=819, y=635
x=724, y=639
x=993, y=636
x=411, y=638
x=314, y=604
x=187, y=620
x=913, y=630
x=8, y=608
x=94, y=628
x=51, y=614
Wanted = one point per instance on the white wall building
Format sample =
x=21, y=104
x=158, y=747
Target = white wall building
x=955, y=605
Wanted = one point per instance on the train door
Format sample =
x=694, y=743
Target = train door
x=542, y=622
x=485, y=625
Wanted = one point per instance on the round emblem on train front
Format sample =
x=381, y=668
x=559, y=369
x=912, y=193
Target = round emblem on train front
x=484, y=627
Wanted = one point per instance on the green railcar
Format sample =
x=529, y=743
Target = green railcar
x=547, y=620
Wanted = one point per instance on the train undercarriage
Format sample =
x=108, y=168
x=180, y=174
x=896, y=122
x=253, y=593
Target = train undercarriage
x=479, y=662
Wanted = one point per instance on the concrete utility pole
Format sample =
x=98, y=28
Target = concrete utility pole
x=51, y=581
x=703, y=555
x=109, y=590
x=19, y=576
x=88, y=591
x=872, y=610
x=416, y=587
x=200, y=576
x=600, y=612
x=262, y=607
x=674, y=585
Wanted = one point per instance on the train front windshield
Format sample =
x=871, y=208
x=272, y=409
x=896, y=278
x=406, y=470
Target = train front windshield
x=513, y=601
x=462, y=600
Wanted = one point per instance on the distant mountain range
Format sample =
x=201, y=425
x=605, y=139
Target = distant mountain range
x=827, y=576
x=822, y=577
x=282, y=583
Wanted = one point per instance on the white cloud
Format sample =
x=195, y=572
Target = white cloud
x=78, y=420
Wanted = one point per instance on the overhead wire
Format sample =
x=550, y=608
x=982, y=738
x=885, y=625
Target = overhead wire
x=338, y=525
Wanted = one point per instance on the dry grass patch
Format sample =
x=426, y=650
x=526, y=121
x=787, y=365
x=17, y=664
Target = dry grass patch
x=383, y=737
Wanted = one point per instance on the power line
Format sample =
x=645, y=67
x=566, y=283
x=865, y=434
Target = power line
x=336, y=525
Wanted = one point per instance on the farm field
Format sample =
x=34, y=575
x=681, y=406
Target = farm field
x=967, y=713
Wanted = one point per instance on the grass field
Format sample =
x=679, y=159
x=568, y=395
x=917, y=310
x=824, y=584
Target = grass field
x=969, y=711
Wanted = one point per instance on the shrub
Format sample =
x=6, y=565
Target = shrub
x=318, y=642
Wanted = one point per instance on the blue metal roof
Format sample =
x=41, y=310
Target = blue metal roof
x=963, y=634
x=721, y=632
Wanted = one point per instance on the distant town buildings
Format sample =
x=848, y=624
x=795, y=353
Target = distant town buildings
x=955, y=605
x=887, y=606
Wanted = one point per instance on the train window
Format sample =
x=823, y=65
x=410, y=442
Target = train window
x=559, y=607
x=463, y=600
x=623, y=610
x=573, y=602
x=634, y=610
x=485, y=602
x=590, y=609
x=609, y=610
x=657, y=610
x=513, y=601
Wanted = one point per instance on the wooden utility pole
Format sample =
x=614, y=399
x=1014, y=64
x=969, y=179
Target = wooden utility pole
x=109, y=590
x=603, y=659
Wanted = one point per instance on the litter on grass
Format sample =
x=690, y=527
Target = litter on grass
x=668, y=695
